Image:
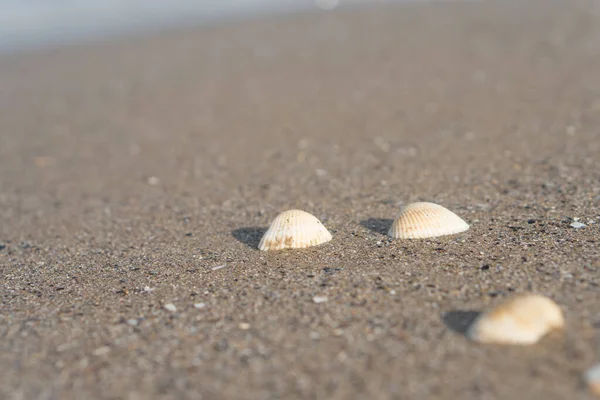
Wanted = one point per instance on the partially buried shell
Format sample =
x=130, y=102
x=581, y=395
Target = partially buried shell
x=524, y=319
x=294, y=229
x=592, y=378
x=426, y=220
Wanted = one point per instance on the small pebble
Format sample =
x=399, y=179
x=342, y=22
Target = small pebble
x=170, y=307
x=244, y=326
x=148, y=289
x=64, y=347
x=379, y=244
x=199, y=305
x=578, y=225
x=101, y=351
x=133, y=322
x=592, y=378
x=44, y=161
x=320, y=299
x=321, y=173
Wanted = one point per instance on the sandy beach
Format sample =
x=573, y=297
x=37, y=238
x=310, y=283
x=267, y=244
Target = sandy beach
x=138, y=175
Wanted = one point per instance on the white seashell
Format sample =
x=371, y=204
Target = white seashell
x=320, y=299
x=426, y=220
x=524, y=319
x=592, y=378
x=170, y=307
x=294, y=229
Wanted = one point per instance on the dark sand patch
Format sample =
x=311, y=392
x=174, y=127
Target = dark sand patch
x=249, y=236
x=460, y=321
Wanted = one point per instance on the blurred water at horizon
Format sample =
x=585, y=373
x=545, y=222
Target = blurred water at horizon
x=30, y=24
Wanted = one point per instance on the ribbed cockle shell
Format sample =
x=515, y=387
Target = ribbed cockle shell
x=426, y=220
x=294, y=229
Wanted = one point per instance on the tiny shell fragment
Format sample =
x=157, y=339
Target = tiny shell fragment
x=170, y=307
x=294, y=229
x=320, y=299
x=592, y=378
x=426, y=220
x=522, y=320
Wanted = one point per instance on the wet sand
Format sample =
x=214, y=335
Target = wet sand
x=130, y=171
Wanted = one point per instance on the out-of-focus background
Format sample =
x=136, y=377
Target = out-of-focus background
x=27, y=24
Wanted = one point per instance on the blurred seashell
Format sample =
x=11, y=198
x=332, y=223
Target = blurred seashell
x=426, y=220
x=524, y=319
x=592, y=378
x=294, y=229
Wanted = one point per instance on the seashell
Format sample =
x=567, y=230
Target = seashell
x=426, y=220
x=320, y=299
x=294, y=229
x=170, y=307
x=522, y=320
x=592, y=378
